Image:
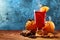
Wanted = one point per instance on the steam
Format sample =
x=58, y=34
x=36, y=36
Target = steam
x=49, y=18
x=39, y=3
x=3, y=9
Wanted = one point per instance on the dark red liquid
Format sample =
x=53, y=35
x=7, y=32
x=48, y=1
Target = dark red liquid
x=40, y=19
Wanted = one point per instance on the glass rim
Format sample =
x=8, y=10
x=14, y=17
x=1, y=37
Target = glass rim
x=37, y=11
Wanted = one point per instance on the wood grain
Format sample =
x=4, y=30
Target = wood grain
x=15, y=35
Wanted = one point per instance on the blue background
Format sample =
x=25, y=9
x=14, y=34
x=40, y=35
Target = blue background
x=15, y=13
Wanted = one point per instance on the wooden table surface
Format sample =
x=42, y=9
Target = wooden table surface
x=15, y=35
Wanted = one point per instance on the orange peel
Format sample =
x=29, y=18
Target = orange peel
x=44, y=8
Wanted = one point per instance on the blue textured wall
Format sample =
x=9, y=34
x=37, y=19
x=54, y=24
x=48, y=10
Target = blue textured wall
x=15, y=13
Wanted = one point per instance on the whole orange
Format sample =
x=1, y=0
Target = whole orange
x=30, y=25
x=49, y=27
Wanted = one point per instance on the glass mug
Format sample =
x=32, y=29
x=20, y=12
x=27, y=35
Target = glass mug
x=39, y=18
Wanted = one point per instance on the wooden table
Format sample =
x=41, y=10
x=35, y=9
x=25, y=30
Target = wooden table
x=15, y=35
